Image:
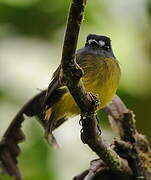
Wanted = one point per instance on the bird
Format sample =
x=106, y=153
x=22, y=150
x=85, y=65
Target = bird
x=101, y=76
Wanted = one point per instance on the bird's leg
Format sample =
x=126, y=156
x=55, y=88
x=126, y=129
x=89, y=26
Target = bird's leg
x=94, y=99
x=98, y=127
x=80, y=122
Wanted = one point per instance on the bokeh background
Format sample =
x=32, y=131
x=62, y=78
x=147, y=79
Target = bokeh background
x=31, y=37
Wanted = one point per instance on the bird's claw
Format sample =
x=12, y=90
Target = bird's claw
x=98, y=127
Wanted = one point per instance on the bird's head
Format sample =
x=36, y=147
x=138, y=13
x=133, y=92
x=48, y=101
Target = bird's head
x=98, y=41
x=99, y=45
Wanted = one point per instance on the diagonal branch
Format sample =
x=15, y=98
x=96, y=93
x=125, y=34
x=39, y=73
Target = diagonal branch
x=86, y=101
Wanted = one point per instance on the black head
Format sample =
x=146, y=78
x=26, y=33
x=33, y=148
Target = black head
x=102, y=42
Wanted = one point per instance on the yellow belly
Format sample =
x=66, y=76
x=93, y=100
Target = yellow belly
x=101, y=77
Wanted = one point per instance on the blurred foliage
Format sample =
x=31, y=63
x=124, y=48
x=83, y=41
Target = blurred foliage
x=5, y=177
x=128, y=23
x=35, y=18
x=36, y=159
x=149, y=8
x=149, y=19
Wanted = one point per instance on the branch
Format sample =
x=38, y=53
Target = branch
x=9, y=149
x=86, y=101
x=112, y=162
x=133, y=146
x=99, y=170
x=122, y=119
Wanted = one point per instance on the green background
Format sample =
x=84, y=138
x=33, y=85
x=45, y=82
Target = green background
x=31, y=37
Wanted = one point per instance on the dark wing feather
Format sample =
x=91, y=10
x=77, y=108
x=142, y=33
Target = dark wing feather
x=55, y=90
x=35, y=106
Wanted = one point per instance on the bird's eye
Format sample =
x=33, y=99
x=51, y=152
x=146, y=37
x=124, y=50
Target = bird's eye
x=102, y=43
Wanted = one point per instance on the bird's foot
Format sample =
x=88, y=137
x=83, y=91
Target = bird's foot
x=98, y=127
x=93, y=98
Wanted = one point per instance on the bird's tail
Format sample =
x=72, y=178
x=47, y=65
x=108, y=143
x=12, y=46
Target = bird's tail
x=35, y=108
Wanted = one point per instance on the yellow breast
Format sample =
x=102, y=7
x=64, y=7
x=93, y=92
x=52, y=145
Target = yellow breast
x=101, y=77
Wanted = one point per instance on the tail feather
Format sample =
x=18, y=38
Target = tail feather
x=35, y=106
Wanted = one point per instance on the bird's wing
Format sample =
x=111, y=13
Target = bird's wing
x=55, y=90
